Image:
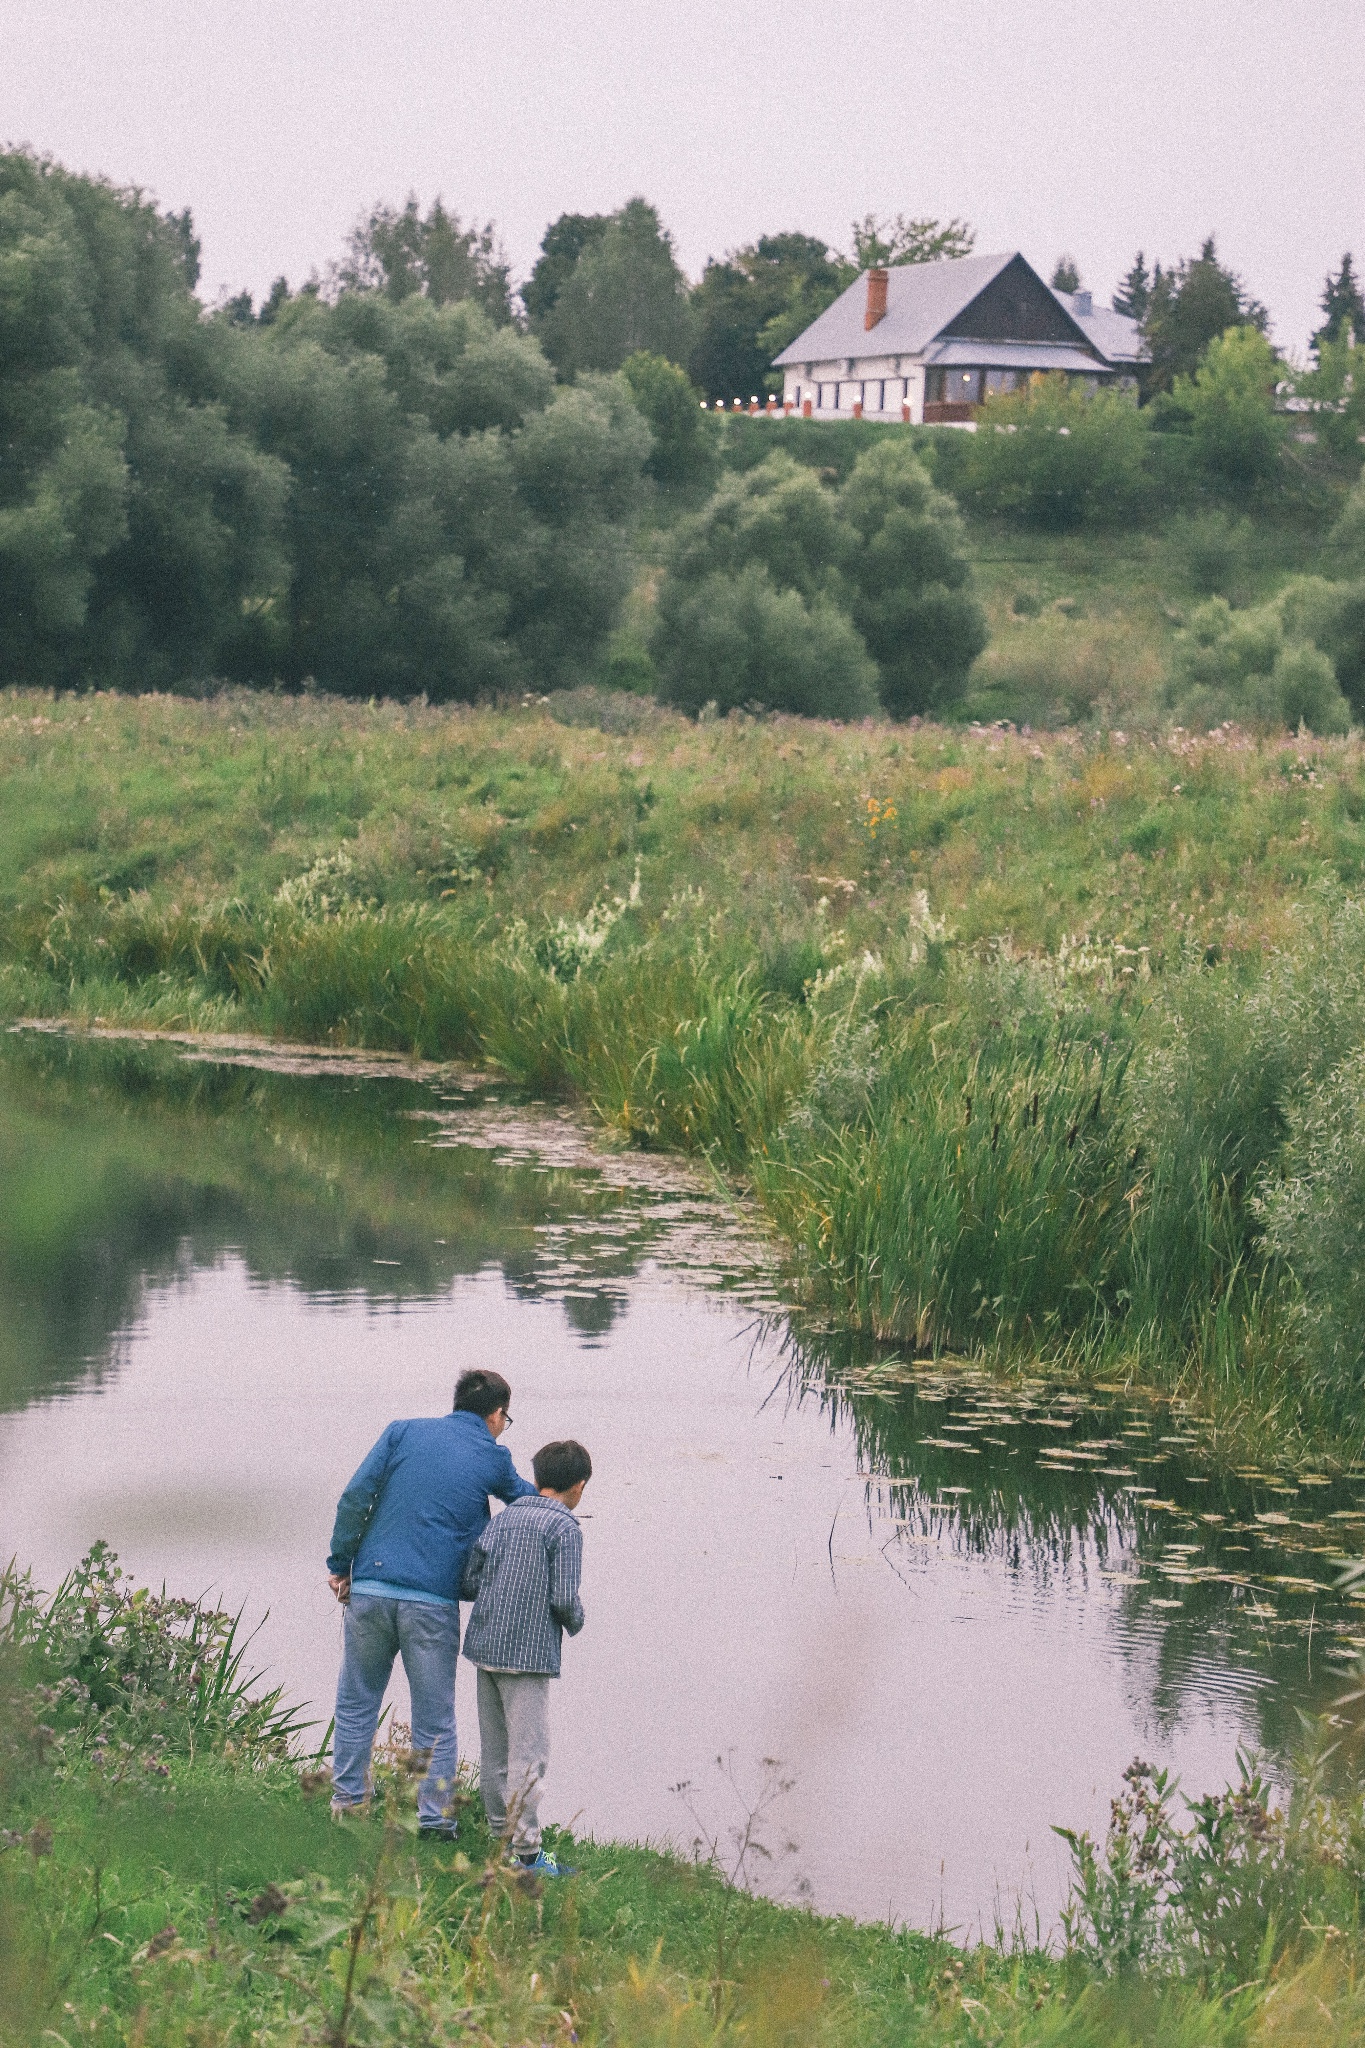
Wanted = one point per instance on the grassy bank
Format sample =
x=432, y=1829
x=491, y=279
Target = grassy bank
x=1024, y=1044
x=169, y=1874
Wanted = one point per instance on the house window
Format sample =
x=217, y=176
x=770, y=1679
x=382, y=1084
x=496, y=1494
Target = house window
x=998, y=381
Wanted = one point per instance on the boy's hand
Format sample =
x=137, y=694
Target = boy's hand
x=341, y=1585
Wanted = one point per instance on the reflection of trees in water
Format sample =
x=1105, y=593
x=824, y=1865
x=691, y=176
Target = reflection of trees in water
x=1060, y=1530
x=123, y=1167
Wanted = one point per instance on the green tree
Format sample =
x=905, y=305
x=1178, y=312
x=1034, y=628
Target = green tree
x=456, y=524
x=1065, y=275
x=906, y=573
x=1189, y=307
x=561, y=246
x=402, y=253
x=140, y=530
x=1243, y=666
x=744, y=302
x=1054, y=458
x=625, y=292
x=668, y=403
x=884, y=553
x=899, y=240
x=1135, y=293
x=1229, y=404
x=739, y=641
x=1343, y=306
x=875, y=240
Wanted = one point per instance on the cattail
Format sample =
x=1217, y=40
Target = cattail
x=1071, y=1134
x=995, y=1135
x=968, y=1101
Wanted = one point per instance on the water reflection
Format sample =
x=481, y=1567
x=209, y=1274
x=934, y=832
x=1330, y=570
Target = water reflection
x=1228, y=1576
x=219, y=1279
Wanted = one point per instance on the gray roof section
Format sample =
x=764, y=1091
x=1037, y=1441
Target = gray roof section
x=1015, y=355
x=1118, y=339
x=921, y=298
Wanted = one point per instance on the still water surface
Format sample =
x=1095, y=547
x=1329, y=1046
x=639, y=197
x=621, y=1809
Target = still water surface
x=952, y=1610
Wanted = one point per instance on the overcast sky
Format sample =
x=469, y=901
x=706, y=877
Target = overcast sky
x=1083, y=125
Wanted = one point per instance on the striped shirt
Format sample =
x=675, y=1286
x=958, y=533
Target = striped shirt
x=522, y=1576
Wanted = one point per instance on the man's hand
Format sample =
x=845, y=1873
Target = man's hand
x=341, y=1585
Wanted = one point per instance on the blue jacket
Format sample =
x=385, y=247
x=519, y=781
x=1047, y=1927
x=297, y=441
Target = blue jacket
x=419, y=1502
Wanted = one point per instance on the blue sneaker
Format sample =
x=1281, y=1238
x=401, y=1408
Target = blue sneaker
x=543, y=1864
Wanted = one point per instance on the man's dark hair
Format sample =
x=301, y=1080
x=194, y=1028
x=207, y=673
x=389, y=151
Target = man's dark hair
x=481, y=1393
x=560, y=1466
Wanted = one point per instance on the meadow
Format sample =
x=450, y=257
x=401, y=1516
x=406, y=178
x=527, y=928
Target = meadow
x=169, y=1874
x=1025, y=1044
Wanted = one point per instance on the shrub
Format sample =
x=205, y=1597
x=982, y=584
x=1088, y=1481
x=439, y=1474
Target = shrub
x=1049, y=672
x=1211, y=549
x=1303, y=691
x=683, y=452
x=735, y=639
x=1349, y=532
x=1229, y=404
x=1332, y=616
x=1312, y=1218
x=1054, y=458
x=907, y=576
x=1237, y=665
x=882, y=558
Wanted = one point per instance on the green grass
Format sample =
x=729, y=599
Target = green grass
x=873, y=973
x=170, y=1875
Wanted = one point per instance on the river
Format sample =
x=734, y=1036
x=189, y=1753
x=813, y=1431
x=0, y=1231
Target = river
x=915, y=1616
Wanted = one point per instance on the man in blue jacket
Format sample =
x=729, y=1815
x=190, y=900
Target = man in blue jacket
x=404, y=1527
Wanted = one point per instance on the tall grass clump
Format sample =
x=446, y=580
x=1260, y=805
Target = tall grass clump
x=978, y=1197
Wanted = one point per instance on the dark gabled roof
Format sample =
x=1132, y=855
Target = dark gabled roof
x=922, y=299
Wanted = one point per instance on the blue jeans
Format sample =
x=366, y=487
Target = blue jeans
x=428, y=1640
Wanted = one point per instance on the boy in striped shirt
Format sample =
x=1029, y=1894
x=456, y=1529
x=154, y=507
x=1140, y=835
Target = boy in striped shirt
x=523, y=1576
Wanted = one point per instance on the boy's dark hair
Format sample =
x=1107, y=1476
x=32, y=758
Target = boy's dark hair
x=481, y=1393
x=560, y=1466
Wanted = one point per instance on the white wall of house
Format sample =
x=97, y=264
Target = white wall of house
x=879, y=383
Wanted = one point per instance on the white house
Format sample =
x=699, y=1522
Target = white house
x=929, y=341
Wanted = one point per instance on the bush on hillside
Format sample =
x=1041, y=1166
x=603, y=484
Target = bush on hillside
x=1348, y=535
x=683, y=452
x=883, y=555
x=1238, y=665
x=907, y=581
x=1212, y=550
x=1229, y=405
x=1054, y=458
x=737, y=640
x=1052, y=671
x=1332, y=616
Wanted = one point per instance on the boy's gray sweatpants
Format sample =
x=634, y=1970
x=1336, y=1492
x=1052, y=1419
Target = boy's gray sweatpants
x=514, y=1749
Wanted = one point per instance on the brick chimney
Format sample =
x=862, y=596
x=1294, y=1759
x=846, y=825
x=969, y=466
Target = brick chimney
x=876, y=298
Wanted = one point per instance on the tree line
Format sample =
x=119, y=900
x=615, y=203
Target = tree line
x=406, y=476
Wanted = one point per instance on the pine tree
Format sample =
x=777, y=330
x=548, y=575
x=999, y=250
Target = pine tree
x=1342, y=305
x=1134, y=295
x=1065, y=276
